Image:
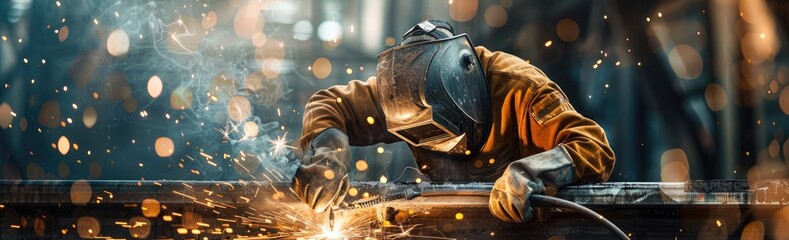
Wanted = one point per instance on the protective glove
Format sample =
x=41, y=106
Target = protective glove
x=509, y=199
x=322, y=180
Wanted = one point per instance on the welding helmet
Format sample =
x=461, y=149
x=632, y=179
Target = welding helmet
x=433, y=90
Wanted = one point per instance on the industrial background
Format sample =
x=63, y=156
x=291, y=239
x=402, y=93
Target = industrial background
x=215, y=90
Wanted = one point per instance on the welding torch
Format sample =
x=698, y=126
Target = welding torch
x=480, y=190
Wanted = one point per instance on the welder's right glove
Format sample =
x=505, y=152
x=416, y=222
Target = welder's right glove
x=322, y=181
x=509, y=199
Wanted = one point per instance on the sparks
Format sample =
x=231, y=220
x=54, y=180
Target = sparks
x=279, y=145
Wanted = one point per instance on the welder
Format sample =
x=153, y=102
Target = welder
x=467, y=114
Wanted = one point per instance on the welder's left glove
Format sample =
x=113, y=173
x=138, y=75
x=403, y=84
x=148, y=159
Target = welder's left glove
x=509, y=199
x=322, y=181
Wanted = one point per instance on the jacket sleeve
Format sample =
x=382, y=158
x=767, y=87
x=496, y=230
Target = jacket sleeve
x=550, y=120
x=352, y=108
x=545, y=117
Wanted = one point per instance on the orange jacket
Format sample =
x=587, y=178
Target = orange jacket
x=531, y=114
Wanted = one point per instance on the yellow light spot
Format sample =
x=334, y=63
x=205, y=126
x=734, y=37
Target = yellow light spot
x=150, y=208
x=648, y=19
x=380, y=149
x=339, y=100
x=718, y=222
x=418, y=180
x=548, y=43
x=164, y=147
x=195, y=231
x=182, y=231
x=383, y=179
x=167, y=218
x=328, y=174
x=660, y=14
x=390, y=41
x=361, y=165
x=365, y=194
x=491, y=161
x=321, y=68
x=459, y=216
x=353, y=192
x=370, y=120
x=468, y=152
x=63, y=145
x=349, y=71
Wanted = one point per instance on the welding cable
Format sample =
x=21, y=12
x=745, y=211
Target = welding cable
x=579, y=209
x=535, y=199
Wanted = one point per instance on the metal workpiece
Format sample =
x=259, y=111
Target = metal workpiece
x=245, y=209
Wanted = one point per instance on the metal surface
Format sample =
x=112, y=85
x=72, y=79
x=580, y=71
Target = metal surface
x=255, y=209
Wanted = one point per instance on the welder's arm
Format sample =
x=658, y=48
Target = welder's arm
x=570, y=148
x=334, y=119
x=551, y=121
x=353, y=109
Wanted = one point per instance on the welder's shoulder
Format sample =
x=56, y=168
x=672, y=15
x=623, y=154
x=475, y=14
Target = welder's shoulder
x=501, y=67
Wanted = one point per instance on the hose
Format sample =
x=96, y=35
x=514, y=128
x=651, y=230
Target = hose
x=558, y=202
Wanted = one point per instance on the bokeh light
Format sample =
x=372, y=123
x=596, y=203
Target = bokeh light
x=118, y=43
x=674, y=166
x=239, y=108
x=271, y=67
x=164, y=147
x=184, y=37
x=209, y=20
x=81, y=192
x=716, y=97
x=685, y=61
x=251, y=129
x=155, y=86
x=783, y=100
x=150, y=208
x=89, y=117
x=321, y=68
x=88, y=227
x=361, y=165
x=5, y=115
x=329, y=31
x=496, y=16
x=463, y=10
x=63, y=33
x=248, y=20
x=302, y=30
x=181, y=98
x=140, y=227
x=567, y=30
x=49, y=116
x=63, y=145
